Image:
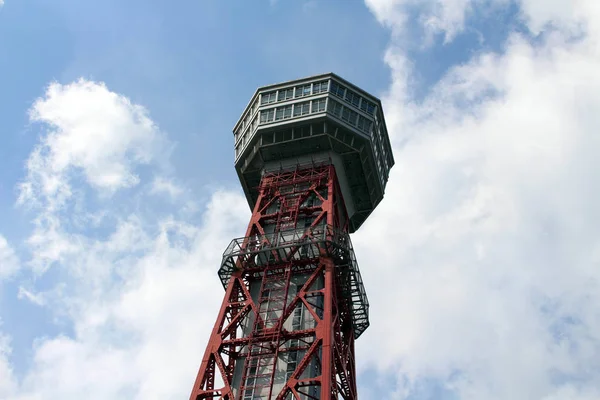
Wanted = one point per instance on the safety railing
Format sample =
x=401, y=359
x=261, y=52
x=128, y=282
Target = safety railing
x=287, y=246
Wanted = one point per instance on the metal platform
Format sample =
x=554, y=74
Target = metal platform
x=259, y=251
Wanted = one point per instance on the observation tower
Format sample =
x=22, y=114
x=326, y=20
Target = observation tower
x=313, y=157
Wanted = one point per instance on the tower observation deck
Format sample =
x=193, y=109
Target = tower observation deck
x=313, y=157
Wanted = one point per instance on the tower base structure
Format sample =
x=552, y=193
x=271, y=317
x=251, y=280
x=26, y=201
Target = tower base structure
x=294, y=299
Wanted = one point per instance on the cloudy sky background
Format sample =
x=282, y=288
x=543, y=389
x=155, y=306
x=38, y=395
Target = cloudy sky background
x=118, y=193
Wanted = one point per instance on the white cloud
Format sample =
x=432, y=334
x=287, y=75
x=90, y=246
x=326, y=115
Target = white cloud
x=91, y=138
x=434, y=16
x=91, y=131
x=7, y=378
x=449, y=17
x=35, y=298
x=167, y=186
x=482, y=262
x=565, y=15
x=9, y=263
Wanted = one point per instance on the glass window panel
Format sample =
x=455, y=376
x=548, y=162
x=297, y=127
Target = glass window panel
x=266, y=115
x=318, y=105
x=279, y=114
x=363, y=105
x=335, y=108
x=337, y=89
x=345, y=114
x=267, y=98
x=352, y=117
x=301, y=109
x=367, y=106
x=297, y=110
x=364, y=124
x=352, y=98
x=285, y=94
x=303, y=90
x=320, y=87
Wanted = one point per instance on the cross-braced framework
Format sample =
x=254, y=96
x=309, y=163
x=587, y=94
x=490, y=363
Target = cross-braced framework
x=294, y=300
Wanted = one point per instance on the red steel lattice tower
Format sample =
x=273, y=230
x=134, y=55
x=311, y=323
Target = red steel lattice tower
x=313, y=157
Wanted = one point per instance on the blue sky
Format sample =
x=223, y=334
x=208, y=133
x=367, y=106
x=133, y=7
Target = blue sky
x=118, y=192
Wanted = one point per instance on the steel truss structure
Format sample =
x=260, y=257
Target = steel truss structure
x=294, y=300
